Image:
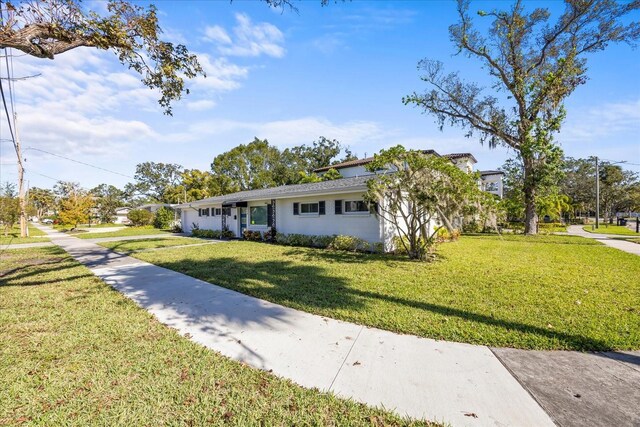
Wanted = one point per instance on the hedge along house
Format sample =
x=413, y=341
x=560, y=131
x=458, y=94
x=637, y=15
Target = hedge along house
x=321, y=208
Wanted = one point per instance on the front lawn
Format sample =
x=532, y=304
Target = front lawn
x=611, y=229
x=128, y=231
x=75, y=352
x=129, y=246
x=532, y=292
x=13, y=236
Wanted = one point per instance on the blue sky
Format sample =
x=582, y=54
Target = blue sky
x=339, y=71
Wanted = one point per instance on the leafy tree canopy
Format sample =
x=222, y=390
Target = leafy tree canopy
x=44, y=29
x=107, y=198
x=420, y=191
x=155, y=181
x=535, y=65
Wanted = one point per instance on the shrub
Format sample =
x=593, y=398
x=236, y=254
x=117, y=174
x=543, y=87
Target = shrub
x=282, y=239
x=164, y=218
x=177, y=228
x=349, y=243
x=399, y=248
x=271, y=235
x=472, y=227
x=300, y=240
x=377, y=247
x=227, y=234
x=322, y=241
x=140, y=217
x=443, y=235
x=254, y=236
x=206, y=234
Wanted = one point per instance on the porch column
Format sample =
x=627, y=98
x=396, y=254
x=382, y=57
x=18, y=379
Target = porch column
x=273, y=214
x=224, y=219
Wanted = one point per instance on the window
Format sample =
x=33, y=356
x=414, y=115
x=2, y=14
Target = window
x=309, y=208
x=218, y=211
x=205, y=212
x=355, y=206
x=491, y=186
x=258, y=215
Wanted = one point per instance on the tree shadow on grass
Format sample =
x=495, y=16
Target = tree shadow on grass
x=312, y=288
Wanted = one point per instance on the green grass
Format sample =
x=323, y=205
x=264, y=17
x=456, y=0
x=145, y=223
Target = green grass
x=633, y=240
x=611, y=229
x=129, y=246
x=129, y=231
x=76, y=352
x=552, y=228
x=537, y=292
x=104, y=225
x=13, y=237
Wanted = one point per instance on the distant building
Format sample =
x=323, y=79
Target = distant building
x=121, y=215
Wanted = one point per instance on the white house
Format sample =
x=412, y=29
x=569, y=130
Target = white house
x=491, y=182
x=121, y=215
x=319, y=208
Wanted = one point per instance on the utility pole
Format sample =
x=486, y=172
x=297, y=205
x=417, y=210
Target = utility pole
x=597, y=193
x=24, y=230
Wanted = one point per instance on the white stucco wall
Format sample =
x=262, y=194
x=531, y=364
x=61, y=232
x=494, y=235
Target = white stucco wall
x=464, y=164
x=363, y=225
x=487, y=180
x=190, y=216
x=353, y=171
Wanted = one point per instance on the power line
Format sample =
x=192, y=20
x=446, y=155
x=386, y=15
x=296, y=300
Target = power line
x=46, y=176
x=80, y=162
x=6, y=110
x=624, y=162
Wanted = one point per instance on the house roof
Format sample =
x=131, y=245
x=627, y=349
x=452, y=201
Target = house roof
x=483, y=173
x=360, y=162
x=324, y=187
x=153, y=205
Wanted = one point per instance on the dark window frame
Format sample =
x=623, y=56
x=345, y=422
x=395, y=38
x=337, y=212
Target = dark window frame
x=266, y=216
x=315, y=205
x=361, y=207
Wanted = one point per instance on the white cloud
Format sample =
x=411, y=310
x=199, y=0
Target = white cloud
x=605, y=120
x=328, y=43
x=217, y=34
x=222, y=75
x=248, y=39
x=201, y=105
x=283, y=133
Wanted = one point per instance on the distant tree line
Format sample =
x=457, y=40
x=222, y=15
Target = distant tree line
x=570, y=190
x=245, y=167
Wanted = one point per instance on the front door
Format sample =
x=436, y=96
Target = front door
x=243, y=220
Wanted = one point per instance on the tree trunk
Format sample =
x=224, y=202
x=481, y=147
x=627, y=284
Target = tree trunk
x=531, y=218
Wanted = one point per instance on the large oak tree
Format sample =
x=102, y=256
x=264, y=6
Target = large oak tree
x=535, y=65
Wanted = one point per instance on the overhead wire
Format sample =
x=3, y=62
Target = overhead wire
x=79, y=161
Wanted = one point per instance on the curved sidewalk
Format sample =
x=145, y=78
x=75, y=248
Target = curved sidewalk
x=461, y=384
x=610, y=240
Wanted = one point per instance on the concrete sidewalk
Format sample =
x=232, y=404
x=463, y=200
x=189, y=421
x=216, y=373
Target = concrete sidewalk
x=139, y=237
x=580, y=389
x=610, y=240
x=461, y=384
